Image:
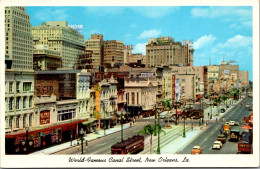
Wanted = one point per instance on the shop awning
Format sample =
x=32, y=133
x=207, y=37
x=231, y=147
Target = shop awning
x=37, y=130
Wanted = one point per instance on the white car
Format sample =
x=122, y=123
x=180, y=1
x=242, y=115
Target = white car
x=232, y=123
x=247, y=105
x=217, y=145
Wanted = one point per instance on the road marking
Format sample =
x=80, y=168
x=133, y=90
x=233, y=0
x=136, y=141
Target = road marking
x=210, y=148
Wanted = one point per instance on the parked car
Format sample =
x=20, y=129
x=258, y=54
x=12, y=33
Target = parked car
x=217, y=145
x=236, y=123
x=196, y=150
x=222, y=111
x=232, y=123
x=222, y=138
x=250, y=108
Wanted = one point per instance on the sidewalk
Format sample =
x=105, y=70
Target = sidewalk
x=89, y=137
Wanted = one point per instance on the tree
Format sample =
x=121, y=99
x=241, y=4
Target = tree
x=150, y=130
x=168, y=107
x=158, y=129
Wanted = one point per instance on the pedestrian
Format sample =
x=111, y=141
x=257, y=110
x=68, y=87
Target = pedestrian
x=130, y=123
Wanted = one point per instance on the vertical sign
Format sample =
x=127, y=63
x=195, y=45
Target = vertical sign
x=97, y=90
x=173, y=87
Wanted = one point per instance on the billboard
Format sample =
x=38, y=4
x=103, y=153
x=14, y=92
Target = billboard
x=173, y=87
x=213, y=68
x=44, y=117
x=226, y=71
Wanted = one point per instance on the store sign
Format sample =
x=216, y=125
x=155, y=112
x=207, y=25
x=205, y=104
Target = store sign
x=213, y=68
x=44, y=133
x=45, y=117
x=173, y=87
x=147, y=74
x=226, y=71
x=212, y=75
x=129, y=47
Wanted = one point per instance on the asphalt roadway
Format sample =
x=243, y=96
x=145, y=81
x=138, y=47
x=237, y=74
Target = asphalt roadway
x=207, y=138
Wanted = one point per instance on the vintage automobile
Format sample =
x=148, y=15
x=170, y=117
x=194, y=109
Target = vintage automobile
x=217, y=145
x=196, y=150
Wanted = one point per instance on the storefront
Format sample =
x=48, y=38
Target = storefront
x=36, y=139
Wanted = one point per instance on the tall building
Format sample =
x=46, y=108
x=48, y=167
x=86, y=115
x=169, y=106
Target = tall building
x=164, y=51
x=60, y=38
x=244, y=78
x=95, y=44
x=19, y=74
x=18, y=38
x=127, y=53
x=113, y=52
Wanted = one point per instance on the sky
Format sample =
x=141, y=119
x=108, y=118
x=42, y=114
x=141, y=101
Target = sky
x=216, y=31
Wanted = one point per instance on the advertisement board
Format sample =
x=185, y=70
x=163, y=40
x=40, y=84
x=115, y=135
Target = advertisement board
x=226, y=71
x=173, y=87
x=213, y=68
x=44, y=117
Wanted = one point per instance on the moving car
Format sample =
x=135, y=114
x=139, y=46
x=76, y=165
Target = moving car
x=222, y=138
x=217, y=145
x=232, y=123
x=247, y=105
x=196, y=150
x=236, y=123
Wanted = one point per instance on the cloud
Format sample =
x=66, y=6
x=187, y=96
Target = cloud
x=241, y=16
x=155, y=12
x=52, y=14
x=140, y=48
x=153, y=33
x=204, y=41
x=237, y=41
x=215, y=12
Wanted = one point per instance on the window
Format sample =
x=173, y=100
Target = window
x=30, y=101
x=17, y=86
x=11, y=87
x=27, y=86
x=24, y=121
x=11, y=103
x=24, y=102
x=137, y=98
x=133, y=98
x=30, y=120
x=11, y=122
x=18, y=102
x=17, y=122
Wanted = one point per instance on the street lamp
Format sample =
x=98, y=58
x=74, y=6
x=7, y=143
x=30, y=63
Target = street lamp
x=184, y=115
x=26, y=143
x=122, y=136
x=81, y=133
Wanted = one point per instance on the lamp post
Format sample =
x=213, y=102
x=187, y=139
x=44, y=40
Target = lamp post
x=122, y=136
x=82, y=133
x=27, y=142
x=159, y=127
x=184, y=115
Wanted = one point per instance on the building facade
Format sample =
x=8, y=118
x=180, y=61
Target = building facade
x=95, y=44
x=45, y=59
x=163, y=51
x=18, y=38
x=113, y=52
x=60, y=38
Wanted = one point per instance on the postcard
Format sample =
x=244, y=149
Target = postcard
x=129, y=84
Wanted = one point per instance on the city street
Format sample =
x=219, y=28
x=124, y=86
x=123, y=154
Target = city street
x=206, y=139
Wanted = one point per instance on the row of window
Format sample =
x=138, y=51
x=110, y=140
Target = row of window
x=17, y=103
x=17, y=121
x=27, y=86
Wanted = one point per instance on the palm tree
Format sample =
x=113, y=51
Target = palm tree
x=150, y=130
x=158, y=130
x=168, y=107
